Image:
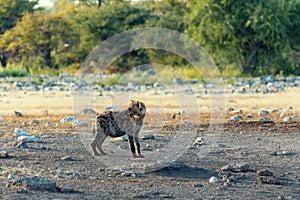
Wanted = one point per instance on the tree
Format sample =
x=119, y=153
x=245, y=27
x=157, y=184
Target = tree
x=38, y=35
x=251, y=34
x=10, y=12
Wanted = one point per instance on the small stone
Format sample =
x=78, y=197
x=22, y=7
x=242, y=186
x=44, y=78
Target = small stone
x=67, y=158
x=27, y=138
x=235, y=118
x=282, y=153
x=198, y=185
x=125, y=138
x=66, y=190
x=273, y=129
x=22, y=144
x=37, y=183
x=238, y=111
x=224, y=176
x=237, y=168
x=265, y=173
x=123, y=146
x=264, y=119
x=18, y=114
x=213, y=179
x=20, y=132
x=80, y=124
x=288, y=119
x=12, y=176
x=68, y=119
x=48, y=124
x=264, y=112
x=92, y=178
x=200, y=141
x=127, y=173
x=250, y=115
x=269, y=180
x=88, y=111
x=148, y=136
x=3, y=154
x=59, y=176
x=111, y=108
x=34, y=122
x=280, y=198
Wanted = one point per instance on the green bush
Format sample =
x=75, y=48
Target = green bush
x=7, y=72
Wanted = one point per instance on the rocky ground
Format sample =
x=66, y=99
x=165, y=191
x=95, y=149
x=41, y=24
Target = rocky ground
x=254, y=153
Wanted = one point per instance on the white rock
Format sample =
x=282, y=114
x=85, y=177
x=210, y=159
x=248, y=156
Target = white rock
x=12, y=176
x=287, y=119
x=20, y=132
x=213, y=179
x=127, y=173
x=238, y=111
x=200, y=141
x=27, y=138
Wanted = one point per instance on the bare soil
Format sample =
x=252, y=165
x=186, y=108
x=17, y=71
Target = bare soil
x=272, y=145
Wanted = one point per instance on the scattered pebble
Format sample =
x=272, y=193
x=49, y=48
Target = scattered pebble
x=67, y=158
x=18, y=114
x=235, y=168
x=264, y=173
x=128, y=173
x=48, y=124
x=27, y=138
x=34, y=122
x=288, y=119
x=20, y=132
x=148, y=136
x=22, y=144
x=198, y=185
x=263, y=112
x=38, y=183
x=269, y=180
x=213, y=179
x=88, y=111
x=78, y=123
x=3, y=154
x=282, y=153
x=238, y=111
x=235, y=118
x=68, y=119
x=264, y=119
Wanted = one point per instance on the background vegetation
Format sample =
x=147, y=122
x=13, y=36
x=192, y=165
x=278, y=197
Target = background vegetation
x=250, y=37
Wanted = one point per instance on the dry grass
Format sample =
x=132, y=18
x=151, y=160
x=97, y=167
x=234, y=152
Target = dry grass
x=58, y=104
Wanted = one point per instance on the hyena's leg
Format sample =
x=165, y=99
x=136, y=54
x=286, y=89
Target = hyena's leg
x=97, y=143
x=132, y=147
x=138, y=146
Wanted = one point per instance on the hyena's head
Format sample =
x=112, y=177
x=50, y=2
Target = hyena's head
x=137, y=109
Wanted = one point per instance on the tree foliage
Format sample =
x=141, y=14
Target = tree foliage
x=252, y=36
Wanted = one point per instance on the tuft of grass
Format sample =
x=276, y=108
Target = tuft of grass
x=8, y=72
x=109, y=81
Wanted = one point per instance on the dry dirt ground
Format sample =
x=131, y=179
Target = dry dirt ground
x=261, y=146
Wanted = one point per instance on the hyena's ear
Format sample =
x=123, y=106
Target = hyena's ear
x=133, y=101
